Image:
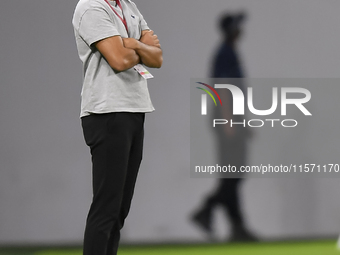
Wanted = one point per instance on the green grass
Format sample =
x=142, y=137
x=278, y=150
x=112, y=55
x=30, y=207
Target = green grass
x=277, y=248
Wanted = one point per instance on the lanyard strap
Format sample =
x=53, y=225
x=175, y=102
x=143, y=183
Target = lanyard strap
x=121, y=18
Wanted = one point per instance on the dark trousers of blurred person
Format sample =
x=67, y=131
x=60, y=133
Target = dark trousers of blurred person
x=233, y=152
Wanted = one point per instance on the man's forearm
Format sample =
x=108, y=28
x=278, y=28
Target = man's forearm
x=118, y=57
x=131, y=59
x=150, y=56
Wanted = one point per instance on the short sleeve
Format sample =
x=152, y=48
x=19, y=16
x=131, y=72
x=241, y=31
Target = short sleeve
x=143, y=24
x=96, y=25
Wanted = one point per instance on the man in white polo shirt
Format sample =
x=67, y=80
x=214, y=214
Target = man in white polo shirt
x=113, y=40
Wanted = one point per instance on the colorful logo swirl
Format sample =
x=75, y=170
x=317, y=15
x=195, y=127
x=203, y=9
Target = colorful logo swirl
x=208, y=92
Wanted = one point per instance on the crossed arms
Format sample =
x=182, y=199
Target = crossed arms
x=124, y=53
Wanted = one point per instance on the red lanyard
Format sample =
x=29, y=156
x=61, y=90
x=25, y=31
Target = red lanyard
x=122, y=19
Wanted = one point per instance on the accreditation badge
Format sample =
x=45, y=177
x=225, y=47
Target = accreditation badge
x=143, y=72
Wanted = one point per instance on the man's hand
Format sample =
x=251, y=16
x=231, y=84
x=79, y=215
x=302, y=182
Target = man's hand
x=149, y=38
x=131, y=43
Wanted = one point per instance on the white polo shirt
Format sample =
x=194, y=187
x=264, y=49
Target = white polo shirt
x=104, y=89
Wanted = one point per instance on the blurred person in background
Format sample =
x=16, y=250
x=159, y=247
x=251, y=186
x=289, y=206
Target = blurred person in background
x=231, y=141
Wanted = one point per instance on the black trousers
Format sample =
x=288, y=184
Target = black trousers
x=231, y=151
x=116, y=143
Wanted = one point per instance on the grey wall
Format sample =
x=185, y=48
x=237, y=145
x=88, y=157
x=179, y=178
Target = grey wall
x=45, y=166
